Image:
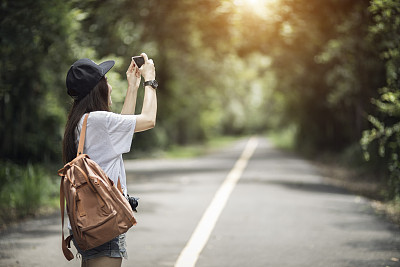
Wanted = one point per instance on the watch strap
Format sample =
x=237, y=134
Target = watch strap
x=152, y=83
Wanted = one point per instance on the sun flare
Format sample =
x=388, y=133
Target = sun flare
x=259, y=3
x=260, y=7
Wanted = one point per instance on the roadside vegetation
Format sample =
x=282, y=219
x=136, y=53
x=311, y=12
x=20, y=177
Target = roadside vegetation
x=28, y=191
x=187, y=151
x=322, y=75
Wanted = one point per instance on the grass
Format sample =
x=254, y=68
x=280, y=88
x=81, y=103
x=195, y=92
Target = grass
x=195, y=150
x=389, y=209
x=283, y=138
x=25, y=191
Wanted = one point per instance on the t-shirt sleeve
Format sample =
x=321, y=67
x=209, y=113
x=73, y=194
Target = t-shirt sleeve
x=121, y=129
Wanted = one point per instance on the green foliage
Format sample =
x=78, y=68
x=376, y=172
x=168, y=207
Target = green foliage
x=386, y=123
x=284, y=138
x=195, y=150
x=307, y=67
x=199, y=96
x=32, y=53
x=325, y=85
x=24, y=190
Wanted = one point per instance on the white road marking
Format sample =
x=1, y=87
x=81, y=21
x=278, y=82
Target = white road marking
x=201, y=234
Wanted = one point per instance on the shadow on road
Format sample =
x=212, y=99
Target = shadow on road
x=29, y=234
x=306, y=186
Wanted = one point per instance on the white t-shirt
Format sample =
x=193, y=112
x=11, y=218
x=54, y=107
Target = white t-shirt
x=108, y=136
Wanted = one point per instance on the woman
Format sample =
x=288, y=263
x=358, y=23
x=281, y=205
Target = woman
x=108, y=135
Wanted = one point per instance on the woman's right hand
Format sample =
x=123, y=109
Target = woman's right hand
x=133, y=75
x=148, y=69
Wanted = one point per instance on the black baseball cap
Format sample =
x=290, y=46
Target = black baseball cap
x=84, y=75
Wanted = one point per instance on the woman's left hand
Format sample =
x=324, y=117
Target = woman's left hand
x=133, y=75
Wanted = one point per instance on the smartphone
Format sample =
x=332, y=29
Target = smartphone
x=139, y=60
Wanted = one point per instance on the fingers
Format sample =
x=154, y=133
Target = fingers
x=131, y=67
x=145, y=57
x=147, y=70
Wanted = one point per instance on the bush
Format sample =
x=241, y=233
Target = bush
x=24, y=190
x=385, y=125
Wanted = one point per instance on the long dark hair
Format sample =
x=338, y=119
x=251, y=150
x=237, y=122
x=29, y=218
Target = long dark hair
x=96, y=100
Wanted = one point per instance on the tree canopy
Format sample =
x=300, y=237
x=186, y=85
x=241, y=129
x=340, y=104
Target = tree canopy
x=328, y=69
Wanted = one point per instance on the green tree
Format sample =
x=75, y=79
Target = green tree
x=325, y=67
x=181, y=40
x=385, y=121
x=33, y=53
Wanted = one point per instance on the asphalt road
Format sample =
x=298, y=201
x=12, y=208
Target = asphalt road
x=280, y=213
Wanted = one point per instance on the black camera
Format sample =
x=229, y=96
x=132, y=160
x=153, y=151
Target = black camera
x=133, y=201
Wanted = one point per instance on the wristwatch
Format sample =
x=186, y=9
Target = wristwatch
x=152, y=83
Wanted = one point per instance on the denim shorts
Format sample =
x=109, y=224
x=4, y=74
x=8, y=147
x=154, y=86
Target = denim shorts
x=115, y=248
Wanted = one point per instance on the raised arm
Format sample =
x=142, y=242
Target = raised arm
x=133, y=77
x=147, y=118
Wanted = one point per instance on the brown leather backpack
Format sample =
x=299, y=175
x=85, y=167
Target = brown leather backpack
x=97, y=210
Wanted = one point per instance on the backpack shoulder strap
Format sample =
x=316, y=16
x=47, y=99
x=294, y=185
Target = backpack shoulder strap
x=82, y=136
x=67, y=253
x=65, y=242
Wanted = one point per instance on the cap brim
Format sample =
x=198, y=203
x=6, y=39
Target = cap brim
x=106, y=66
